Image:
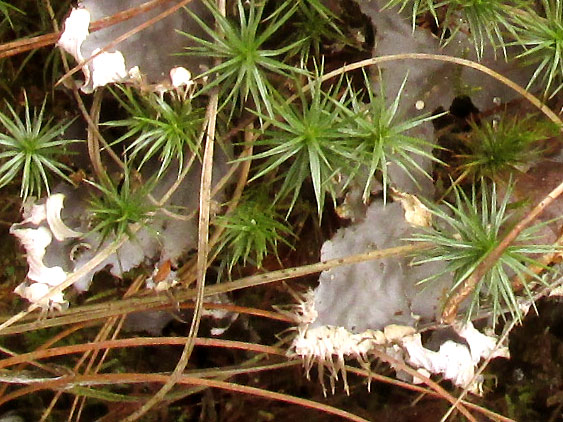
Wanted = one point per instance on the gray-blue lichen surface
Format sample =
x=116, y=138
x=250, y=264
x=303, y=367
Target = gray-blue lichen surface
x=374, y=294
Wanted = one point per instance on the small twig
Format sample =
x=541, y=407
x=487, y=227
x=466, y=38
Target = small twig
x=93, y=140
x=458, y=296
x=202, y=252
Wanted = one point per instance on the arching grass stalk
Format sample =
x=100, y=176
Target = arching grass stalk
x=536, y=102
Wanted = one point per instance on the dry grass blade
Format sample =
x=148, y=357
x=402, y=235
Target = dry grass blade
x=450, y=59
x=136, y=342
x=186, y=380
x=104, y=310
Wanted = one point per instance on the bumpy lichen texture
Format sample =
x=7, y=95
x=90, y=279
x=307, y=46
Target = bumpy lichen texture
x=378, y=304
x=373, y=294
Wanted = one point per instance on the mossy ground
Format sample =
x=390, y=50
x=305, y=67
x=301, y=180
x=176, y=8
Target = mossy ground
x=529, y=387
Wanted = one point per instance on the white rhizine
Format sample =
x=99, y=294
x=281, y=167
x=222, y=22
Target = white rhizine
x=329, y=346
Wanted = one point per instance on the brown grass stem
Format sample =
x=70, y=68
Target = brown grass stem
x=104, y=379
x=136, y=342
